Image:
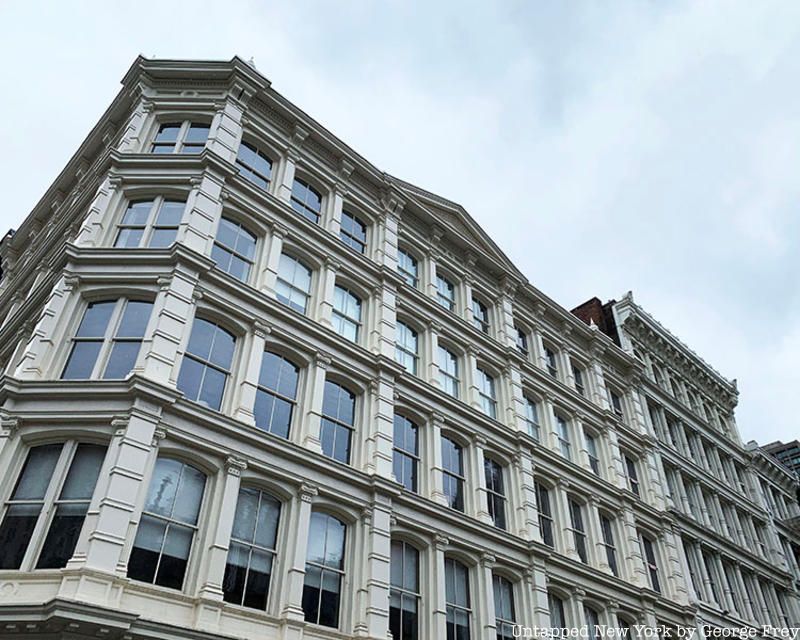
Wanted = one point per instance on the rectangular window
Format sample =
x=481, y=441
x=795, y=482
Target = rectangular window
x=607, y=529
x=480, y=315
x=486, y=391
x=495, y=492
x=522, y=342
x=545, y=513
x=591, y=451
x=404, y=592
x=406, y=452
x=353, y=232
x=550, y=359
x=150, y=223
x=577, y=376
x=448, y=371
x=445, y=293
x=565, y=445
x=649, y=554
x=578, y=531
x=633, y=476
x=453, y=474
x=408, y=267
x=532, y=418
x=338, y=421
x=346, y=313
x=407, y=345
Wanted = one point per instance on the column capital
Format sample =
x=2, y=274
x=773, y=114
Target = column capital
x=158, y=435
x=322, y=360
x=440, y=542
x=260, y=329
x=437, y=419
x=234, y=465
x=10, y=425
x=487, y=560
x=307, y=492
x=333, y=265
x=278, y=230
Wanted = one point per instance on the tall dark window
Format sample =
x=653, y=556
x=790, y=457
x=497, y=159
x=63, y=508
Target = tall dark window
x=453, y=474
x=322, y=589
x=556, y=605
x=448, y=371
x=480, y=315
x=254, y=165
x=407, y=347
x=456, y=580
x=550, y=359
x=404, y=592
x=522, y=342
x=562, y=430
x=293, y=284
x=234, y=249
x=591, y=451
x=207, y=363
x=532, y=418
x=408, y=268
x=252, y=549
x=445, y=293
x=504, y=613
x=495, y=492
x=346, y=314
x=633, y=476
x=406, y=452
x=168, y=524
x=607, y=529
x=150, y=223
x=180, y=137
x=649, y=553
x=577, y=376
x=29, y=503
x=545, y=514
x=353, y=232
x=306, y=200
x=108, y=339
x=338, y=420
x=616, y=403
x=578, y=530
x=592, y=622
x=486, y=392
x=276, y=394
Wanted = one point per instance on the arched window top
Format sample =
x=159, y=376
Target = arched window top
x=254, y=164
x=456, y=581
x=293, y=284
x=326, y=540
x=234, y=248
x=150, y=222
x=339, y=403
x=176, y=490
x=306, y=200
x=445, y=291
x=408, y=267
x=176, y=136
x=353, y=231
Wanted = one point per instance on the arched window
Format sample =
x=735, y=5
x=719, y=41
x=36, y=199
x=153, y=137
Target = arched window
x=564, y=442
x=254, y=165
x=353, y=232
x=180, y=137
x=504, y=613
x=522, y=342
x=108, y=339
x=649, y=553
x=545, y=513
x=456, y=580
x=59, y=479
x=607, y=530
x=150, y=223
x=487, y=393
x=532, y=418
x=306, y=200
x=293, y=285
x=591, y=452
x=276, y=394
x=556, y=605
x=407, y=347
x=168, y=524
x=404, y=591
x=252, y=549
x=207, y=363
x=632, y=474
x=592, y=622
x=480, y=315
x=495, y=492
x=346, y=313
x=550, y=361
x=578, y=529
x=322, y=589
x=405, y=452
x=338, y=419
x=234, y=249
x=445, y=293
x=448, y=372
x=577, y=376
x=453, y=474
x=408, y=267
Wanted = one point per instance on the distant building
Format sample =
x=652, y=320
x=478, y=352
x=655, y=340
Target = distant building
x=256, y=388
x=787, y=453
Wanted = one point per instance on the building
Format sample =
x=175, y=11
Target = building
x=788, y=454
x=254, y=387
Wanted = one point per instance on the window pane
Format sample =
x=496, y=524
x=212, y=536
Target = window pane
x=37, y=473
x=212, y=389
x=146, y=549
x=129, y=238
x=95, y=320
x=197, y=133
x=168, y=132
x=134, y=319
x=170, y=213
x=82, y=360
x=59, y=545
x=122, y=359
x=15, y=533
x=267, y=526
x=162, y=238
x=244, y=522
x=189, y=495
x=83, y=472
x=163, y=487
x=137, y=213
x=201, y=338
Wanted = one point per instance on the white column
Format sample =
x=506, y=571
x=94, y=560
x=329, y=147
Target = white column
x=381, y=432
x=269, y=275
x=470, y=382
x=674, y=570
x=527, y=519
x=379, y=551
x=92, y=232
x=562, y=525
x=203, y=210
x=486, y=620
x=466, y=297
x=227, y=126
x=296, y=552
x=478, y=480
x=216, y=555
x=507, y=333
x=314, y=392
x=597, y=550
x=383, y=319
x=334, y=222
x=325, y=292
x=435, y=448
x=289, y=162
x=437, y=590
x=253, y=355
x=431, y=353
x=631, y=551
x=132, y=140
x=541, y=605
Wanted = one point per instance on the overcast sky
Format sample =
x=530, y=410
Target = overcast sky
x=606, y=147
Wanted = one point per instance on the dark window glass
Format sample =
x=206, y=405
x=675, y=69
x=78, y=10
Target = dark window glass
x=166, y=530
x=234, y=249
x=456, y=580
x=127, y=341
x=504, y=613
x=650, y=560
x=445, y=293
x=131, y=229
x=166, y=223
x=293, y=284
x=71, y=507
x=522, y=342
x=254, y=165
x=25, y=505
x=252, y=549
x=406, y=452
x=591, y=451
x=324, y=570
x=480, y=315
x=557, y=617
x=195, y=138
x=306, y=200
x=338, y=419
x=167, y=138
x=550, y=358
x=453, y=474
x=545, y=514
x=487, y=393
x=276, y=394
x=408, y=268
x=162, y=218
x=577, y=376
x=88, y=340
x=495, y=492
x=578, y=531
x=592, y=623
x=633, y=476
x=206, y=364
x=353, y=232
x=448, y=371
x=407, y=344
x=608, y=540
x=404, y=592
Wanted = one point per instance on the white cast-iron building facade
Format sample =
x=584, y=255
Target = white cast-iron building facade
x=256, y=388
